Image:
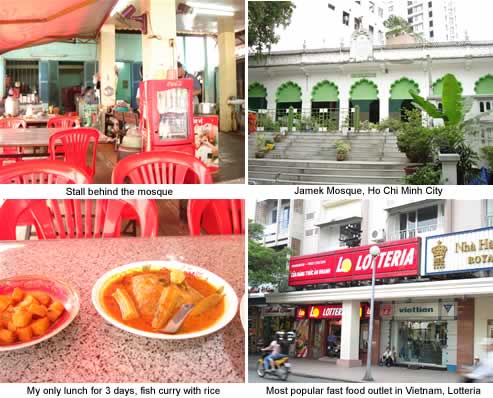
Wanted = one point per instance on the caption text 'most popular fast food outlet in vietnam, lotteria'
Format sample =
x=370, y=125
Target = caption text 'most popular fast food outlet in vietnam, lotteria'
x=428, y=288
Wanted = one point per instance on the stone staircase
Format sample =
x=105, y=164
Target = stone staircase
x=310, y=158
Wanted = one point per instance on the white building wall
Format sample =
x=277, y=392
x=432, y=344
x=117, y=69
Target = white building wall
x=467, y=214
x=327, y=16
x=483, y=312
x=310, y=231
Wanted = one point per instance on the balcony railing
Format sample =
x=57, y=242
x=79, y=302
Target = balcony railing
x=414, y=232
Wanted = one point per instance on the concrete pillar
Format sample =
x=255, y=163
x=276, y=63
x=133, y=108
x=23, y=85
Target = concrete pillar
x=158, y=56
x=107, y=75
x=344, y=110
x=465, y=338
x=384, y=102
x=227, y=70
x=350, y=334
x=2, y=77
x=449, y=167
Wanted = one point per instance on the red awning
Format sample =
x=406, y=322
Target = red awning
x=25, y=23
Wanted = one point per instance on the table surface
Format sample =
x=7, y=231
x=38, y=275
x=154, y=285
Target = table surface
x=30, y=137
x=92, y=350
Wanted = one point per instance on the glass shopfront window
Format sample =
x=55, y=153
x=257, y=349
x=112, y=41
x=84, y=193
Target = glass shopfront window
x=421, y=342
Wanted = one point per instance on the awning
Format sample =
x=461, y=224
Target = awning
x=338, y=221
x=25, y=23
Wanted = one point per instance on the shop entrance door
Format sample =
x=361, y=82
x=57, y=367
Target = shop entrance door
x=334, y=339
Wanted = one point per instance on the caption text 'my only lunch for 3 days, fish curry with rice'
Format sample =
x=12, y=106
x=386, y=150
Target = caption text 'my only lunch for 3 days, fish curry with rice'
x=147, y=299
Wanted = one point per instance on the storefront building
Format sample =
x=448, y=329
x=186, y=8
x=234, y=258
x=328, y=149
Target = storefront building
x=427, y=290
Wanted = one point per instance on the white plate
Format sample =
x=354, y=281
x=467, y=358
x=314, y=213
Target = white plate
x=230, y=299
x=57, y=290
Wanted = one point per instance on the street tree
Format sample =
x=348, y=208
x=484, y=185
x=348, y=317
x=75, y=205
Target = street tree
x=264, y=17
x=265, y=265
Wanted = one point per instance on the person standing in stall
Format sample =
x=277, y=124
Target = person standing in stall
x=197, y=87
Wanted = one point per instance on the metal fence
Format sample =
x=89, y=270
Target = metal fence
x=323, y=119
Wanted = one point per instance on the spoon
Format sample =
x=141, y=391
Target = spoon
x=174, y=323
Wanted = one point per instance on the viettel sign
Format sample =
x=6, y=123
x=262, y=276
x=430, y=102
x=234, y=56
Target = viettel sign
x=396, y=259
x=331, y=311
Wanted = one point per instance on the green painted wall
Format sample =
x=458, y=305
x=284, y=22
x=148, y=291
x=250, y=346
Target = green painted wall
x=128, y=47
x=70, y=78
x=400, y=89
x=364, y=90
x=124, y=74
x=288, y=92
x=484, y=85
x=325, y=92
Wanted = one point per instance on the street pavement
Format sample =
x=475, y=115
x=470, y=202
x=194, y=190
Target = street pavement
x=254, y=378
x=316, y=371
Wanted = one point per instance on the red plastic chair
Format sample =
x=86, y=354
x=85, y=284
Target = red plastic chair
x=43, y=172
x=64, y=122
x=71, y=114
x=74, y=143
x=12, y=123
x=216, y=216
x=75, y=218
x=161, y=167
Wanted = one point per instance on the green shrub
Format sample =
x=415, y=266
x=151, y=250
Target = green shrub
x=429, y=174
x=487, y=154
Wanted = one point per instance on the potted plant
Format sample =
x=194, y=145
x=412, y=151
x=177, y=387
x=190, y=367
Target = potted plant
x=260, y=145
x=277, y=137
x=342, y=149
x=429, y=174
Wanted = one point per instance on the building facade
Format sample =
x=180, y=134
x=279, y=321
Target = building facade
x=434, y=20
x=377, y=79
x=337, y=19
x=433, y=279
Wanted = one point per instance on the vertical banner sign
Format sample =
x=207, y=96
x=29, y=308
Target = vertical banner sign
x=396, y=259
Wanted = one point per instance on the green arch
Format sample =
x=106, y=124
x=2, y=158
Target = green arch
x=399, y=90
x=257, y=90
x=288, y=92
x=325, y=91
x=484, y=85
x=363, y=89
x=437, y=87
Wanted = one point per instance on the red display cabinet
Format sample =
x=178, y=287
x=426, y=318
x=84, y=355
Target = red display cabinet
x=166, y=121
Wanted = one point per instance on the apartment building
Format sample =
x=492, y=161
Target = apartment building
x=330, y=24
x=435, y=20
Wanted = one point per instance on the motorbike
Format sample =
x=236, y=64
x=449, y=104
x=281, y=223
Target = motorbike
x=282, y=367
x=333, y=350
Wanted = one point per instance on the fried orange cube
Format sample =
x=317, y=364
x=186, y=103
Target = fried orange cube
x=7, y=336
x=17, y=295
x=43, y=298
x=24, y=334
x=21, y=318
x=55, y=310
x=4, y=302
x=28, y=300
x=11, y=326
x=38, y=310
x=40, y=326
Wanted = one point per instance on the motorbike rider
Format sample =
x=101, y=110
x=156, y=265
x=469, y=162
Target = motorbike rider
x=276, y=354
x=484, y=370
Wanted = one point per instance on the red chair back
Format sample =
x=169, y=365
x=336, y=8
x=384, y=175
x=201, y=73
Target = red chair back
x=12, y=123
x=75, y=218
x=216, y=216
x=161, y=167
x=43, y=172
x=64, y=122
x=73, y=145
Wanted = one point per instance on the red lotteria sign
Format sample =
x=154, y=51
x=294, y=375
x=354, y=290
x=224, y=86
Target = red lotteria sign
x=396, y=259
x=332, y=311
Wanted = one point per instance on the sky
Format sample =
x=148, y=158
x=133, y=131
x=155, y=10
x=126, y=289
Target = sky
x=475, y=16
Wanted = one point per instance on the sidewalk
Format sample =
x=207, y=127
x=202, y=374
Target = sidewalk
x=322, y=369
